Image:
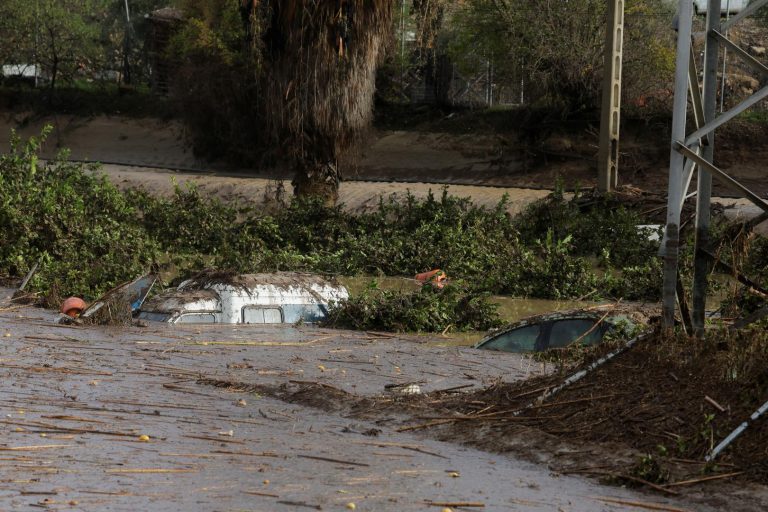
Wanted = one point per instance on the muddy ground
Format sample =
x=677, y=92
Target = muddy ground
x=457, y=149
x=310, y=425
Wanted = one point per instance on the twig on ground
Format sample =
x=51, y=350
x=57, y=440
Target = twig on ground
x=150, y=470
x=641, y=504
x=337, y=461
x=704, y=479
x=383, y=444
x=714, y=404
x=257, y=493
x=300, y=504
x=455, y=504
x=625, y=477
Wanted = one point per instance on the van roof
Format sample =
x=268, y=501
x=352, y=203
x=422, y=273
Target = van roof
x=215, y=279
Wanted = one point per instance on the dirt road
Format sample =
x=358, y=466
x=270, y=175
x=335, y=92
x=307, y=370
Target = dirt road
x=152, y=154
x=77, y=400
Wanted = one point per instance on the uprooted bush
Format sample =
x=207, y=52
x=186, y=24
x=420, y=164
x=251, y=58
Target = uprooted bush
x=429, y=309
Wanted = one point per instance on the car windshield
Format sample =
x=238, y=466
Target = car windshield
x=565, y=332
x=154, y=317
x=522, y=339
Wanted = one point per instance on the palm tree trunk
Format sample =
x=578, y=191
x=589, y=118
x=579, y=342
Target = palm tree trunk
x=320, y=60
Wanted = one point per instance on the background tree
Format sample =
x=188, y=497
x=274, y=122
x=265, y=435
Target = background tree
x=71, y=39
x=62, y=36
x=126, y=42
x=560, y=45
x=319, y=61
x=216, y=81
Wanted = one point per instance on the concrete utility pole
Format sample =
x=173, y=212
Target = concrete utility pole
x=690, y=152
x=127, y=46
x=608, y=156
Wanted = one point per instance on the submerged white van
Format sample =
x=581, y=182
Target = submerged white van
x=282, y=297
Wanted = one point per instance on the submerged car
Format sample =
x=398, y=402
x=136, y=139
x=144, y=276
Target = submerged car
x=555, y=330
x=282, y=297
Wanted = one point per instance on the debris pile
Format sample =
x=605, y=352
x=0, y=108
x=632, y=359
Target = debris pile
x=669, y=400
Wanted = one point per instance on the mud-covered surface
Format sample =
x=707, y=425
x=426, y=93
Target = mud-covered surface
x=82, y=396
x=475, y=154
x=645, y=420
x=314, y=425
x=649, y=402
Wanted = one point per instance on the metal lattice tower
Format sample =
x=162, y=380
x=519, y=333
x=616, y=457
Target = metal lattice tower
x=693, y=153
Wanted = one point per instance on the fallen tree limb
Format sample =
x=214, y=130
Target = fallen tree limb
x=337, y=461
x=625, y=477
x=455, y=504
x=641, y=504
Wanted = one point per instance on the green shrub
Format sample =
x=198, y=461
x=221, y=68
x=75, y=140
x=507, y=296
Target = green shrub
x=638, y=283
x=426, y=310
x=82, y=229
x=599, y=228
x=553, y=271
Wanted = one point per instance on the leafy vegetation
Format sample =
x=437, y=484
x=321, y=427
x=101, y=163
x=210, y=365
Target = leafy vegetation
x=61, y=35
x=76, y=39
x=79, y=226
x=556, y=47
x=214, y=86
x=430, y=310
x=89, y=237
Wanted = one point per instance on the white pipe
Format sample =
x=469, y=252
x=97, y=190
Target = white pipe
x=582, y=373
x=736, y=433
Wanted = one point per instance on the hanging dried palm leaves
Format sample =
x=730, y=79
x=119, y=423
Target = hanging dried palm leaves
x=319, y=60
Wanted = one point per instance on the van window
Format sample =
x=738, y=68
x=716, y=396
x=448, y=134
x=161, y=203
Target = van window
x=310, y=313
x=262, y=315
x=154, y=317
x=197, y=318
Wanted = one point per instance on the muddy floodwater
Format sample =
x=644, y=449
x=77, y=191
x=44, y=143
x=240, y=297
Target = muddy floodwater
x=97, y=418
x=510, y=310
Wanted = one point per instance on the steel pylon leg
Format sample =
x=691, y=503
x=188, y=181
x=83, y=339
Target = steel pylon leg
x=704, y=182
x=696, y=151
x=670, y=250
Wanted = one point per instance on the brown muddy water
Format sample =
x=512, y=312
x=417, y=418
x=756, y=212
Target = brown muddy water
x=511, y=309
x=103, y=418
